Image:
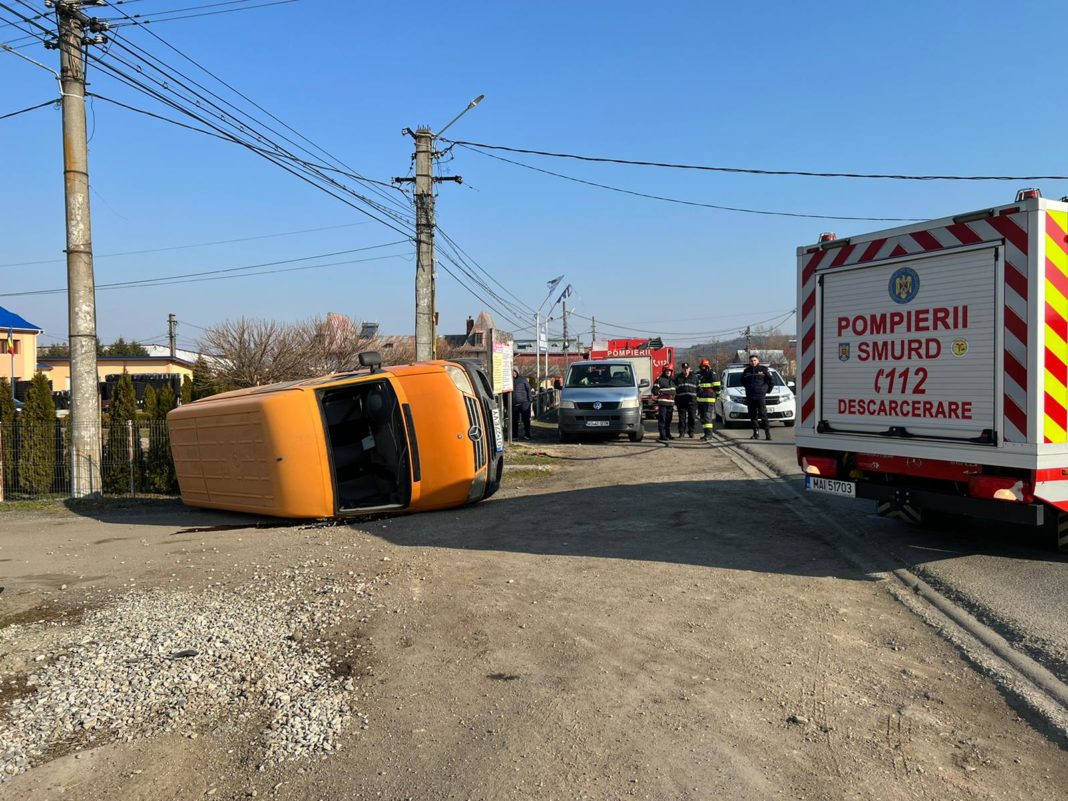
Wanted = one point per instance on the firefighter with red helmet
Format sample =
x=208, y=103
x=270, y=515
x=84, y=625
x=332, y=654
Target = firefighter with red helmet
x=708, y=386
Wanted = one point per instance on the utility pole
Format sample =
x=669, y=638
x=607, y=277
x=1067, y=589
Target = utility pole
x=424, y=234
x=81, y=290
x=426, y=315
x=567, y=345
x=748, y=341
x=593, y=325
x=172, y=334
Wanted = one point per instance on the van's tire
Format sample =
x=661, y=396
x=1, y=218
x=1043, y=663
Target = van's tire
x=636, y=436
x=565, y=437
x=789, y=423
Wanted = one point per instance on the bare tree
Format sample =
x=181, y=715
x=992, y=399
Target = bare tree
x=252, y=352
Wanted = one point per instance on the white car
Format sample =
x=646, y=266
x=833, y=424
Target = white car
x=730, y=405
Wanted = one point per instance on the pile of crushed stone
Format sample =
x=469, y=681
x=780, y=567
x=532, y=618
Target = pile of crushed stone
x=167, y=661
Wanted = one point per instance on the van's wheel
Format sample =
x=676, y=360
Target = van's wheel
x=636, y=436
x=789, y=423
x=565, y=437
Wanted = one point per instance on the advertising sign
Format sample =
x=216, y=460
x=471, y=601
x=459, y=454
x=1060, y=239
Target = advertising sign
x=912, y=346
x=502, y=367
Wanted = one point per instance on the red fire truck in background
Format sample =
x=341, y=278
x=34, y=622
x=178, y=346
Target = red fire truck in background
x=648, y=355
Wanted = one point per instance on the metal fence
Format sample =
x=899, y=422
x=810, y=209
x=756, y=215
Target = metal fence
x=35, y=460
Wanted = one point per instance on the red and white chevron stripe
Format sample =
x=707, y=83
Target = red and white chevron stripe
x=1009, y=227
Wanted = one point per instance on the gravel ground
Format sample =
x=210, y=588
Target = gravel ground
x=177, y=661
x=638, y=622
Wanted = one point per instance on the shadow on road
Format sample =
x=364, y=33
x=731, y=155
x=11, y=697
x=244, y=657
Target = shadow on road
x=733, y=524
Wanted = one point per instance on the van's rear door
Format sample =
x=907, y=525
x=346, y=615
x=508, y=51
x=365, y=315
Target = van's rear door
x=911, y=347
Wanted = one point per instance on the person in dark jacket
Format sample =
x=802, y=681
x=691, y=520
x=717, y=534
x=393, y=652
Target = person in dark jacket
x=522, y=395
x=686, y=400
x=664, y=390
x=708, y=386
x=756, y=378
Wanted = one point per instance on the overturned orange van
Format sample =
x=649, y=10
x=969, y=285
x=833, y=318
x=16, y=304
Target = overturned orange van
x=415, y=437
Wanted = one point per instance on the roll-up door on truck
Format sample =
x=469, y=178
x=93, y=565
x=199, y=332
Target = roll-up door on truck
x=910, y=347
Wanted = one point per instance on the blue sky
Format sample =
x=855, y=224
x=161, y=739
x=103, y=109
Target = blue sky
x=949, y=87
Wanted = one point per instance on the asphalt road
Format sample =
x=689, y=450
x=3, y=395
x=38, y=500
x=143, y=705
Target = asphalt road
x=1009, y=577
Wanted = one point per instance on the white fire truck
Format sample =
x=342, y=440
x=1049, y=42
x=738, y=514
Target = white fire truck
x=933, y=365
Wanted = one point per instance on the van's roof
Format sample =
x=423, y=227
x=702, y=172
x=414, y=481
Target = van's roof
x=332, y=379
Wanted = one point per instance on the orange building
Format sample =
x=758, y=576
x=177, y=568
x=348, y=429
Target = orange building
x=18, y=346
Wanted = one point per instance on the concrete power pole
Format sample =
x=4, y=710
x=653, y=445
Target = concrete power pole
x=748, y=341
x=425, y=338
x=593, y=326
x=81, y=290
x=567, y=346
x=426, y=314
x=172, y=334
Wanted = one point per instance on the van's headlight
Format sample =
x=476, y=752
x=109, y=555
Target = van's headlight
x=566, y=404
x=460, y=379
x=630, y=403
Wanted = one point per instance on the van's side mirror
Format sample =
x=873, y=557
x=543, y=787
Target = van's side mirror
x=643, y=383
x=791, y=384
x=370, y=358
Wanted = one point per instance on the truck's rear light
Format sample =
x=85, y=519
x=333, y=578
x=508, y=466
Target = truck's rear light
x=1001, y=488
x=826, y=466
x=1028, y=194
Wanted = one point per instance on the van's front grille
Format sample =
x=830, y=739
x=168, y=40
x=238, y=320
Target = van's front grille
x=476, y=433
x=599, y=405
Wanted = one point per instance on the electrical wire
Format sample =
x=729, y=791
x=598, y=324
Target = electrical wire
x=294, y=170
x=256, y=105
x=98, y=256
x=154, y=21
x=606, y=325
x=479, y=267
x=171, y=278
x=764, y=212
x=225, y=119
x=31, y=108
x=755, y=171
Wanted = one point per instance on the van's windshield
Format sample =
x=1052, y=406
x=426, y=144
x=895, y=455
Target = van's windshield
x=600, y=375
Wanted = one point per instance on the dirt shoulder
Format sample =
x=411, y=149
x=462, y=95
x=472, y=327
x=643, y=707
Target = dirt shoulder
x=635, y=621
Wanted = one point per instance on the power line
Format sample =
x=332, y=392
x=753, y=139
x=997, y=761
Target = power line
x=205, y=14
x=256, y=105
x=228, y=119
x=31, y=108
x=186, y=247
x=764, y=212
x=755, y=171
x=273, y=158
x=606, y=325
x=171, y=278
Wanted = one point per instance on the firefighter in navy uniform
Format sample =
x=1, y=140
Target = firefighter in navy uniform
x=756, y=378
x=686, y=400
x=708, y=387
x=664, y=390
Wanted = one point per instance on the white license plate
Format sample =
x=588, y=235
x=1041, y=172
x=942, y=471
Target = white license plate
x=596, y=423
x=497, y=430
x=831, y=486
